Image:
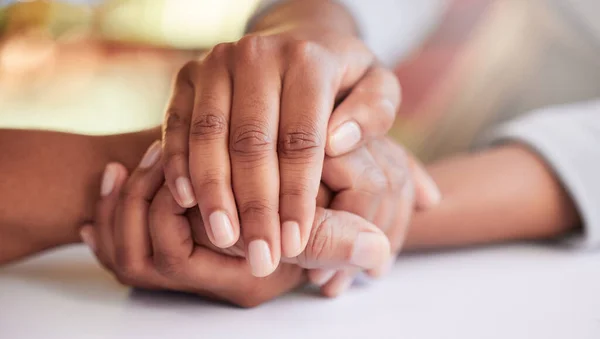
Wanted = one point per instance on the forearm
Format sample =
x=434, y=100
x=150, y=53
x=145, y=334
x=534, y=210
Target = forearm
x=503, y=194
x=308, y=15
x=50, y=184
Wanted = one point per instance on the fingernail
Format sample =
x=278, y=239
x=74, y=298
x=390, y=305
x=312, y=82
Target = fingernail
x=345, y=138
x=184, y=190
x=221, y=228
x=108, y=180
x=151, y=155
x=321, y=277
x=340, y=284
x=431, y=190
x=367, y=250
x=87, y=237
x=290, y=237
x=259, y=257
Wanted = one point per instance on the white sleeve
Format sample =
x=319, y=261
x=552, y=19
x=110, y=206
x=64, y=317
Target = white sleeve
x=568, y=139
x=390, y=28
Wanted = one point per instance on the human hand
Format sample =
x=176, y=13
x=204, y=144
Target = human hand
x=248, y=126
x=147, y=240
x=383, y=184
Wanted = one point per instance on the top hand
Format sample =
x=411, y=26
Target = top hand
x=253, y=118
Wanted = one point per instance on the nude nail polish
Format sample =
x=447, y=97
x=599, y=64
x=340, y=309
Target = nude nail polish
x=345, y=138
x=151, y=155
x=108, y=180
x=184, y=190
x=290, y=238
x=259, y=257
x=222, y=230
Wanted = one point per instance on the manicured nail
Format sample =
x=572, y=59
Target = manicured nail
x=259, y=257
x=367, y=250
x=184, y=190
x=290, y=238
x=151, y=155
x=321, y=277
x=222, y=230
x=87, y=236
x=345, y=138
x=340, y=284
x=108, y=180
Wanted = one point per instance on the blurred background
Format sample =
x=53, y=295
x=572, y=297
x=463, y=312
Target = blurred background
x=98, y=67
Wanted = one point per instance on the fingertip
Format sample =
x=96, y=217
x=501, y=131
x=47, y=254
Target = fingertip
x=222, y=233
x=86, y=233
x=185, y=192
x=260, y=258
x=370, y=250
x=320, y=277
x=343, y=139
x=291, y=239
x=339, y=284
x=429, y=195
x=113, y=176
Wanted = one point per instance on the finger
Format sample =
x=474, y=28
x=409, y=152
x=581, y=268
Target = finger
x=357, y=181
x=176, y=128
x=193, y=268
x=112, y=181
x=131, y=235
x=307, y=101
x=366, y=113
x=255, y=169
x=396, y=165
x=209, y=140
x=341, y=239
x=427, y=194
x=171, y=236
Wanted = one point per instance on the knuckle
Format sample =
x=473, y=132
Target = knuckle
x=250, y=48
x=209, y=125
x=301, y=143
x=174, y=156
x=213, y=178
x=175, y=120
x=381, y=106
x=129, y=196
x=129, y=270
x=303, y=51
x=255, y=209
x=168, y=265
x=373, y=178
x=188, y=71
x=321, y=240
x=219, y=52
x=298, y=188
x=251, y=140
x=397, y=180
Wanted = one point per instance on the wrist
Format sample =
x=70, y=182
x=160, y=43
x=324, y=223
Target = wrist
x=502, y=194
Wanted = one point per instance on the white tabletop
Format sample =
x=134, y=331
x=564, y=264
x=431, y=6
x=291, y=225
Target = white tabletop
x=519, y=291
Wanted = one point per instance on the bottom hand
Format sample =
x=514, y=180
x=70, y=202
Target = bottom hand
x=144, y=237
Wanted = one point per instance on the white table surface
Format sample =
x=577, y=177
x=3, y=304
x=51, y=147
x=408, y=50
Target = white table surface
x=518, y=291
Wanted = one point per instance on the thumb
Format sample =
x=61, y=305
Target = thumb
x=341, y=239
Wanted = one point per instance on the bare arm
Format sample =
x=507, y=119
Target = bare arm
x=50, y=184
x=503, y=194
